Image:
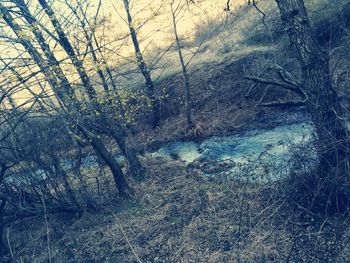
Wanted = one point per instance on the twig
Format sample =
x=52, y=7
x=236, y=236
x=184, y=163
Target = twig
x=261, y=12
x=126, y=238
x=47, y=229
x=8, y=241
x=291, y=250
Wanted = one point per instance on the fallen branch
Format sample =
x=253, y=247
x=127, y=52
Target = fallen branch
x=286, y=76
x=276, y=82
x=290, y=103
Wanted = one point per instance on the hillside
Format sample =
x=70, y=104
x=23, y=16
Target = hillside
x=218, y=85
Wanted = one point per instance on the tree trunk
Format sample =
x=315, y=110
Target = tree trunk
x=133, y=161
x=65, y=43
x=78, y=64
x=3, y=246
x=60, y=92
x=189, y=116
x=67, y=187
x=122, y=185
x=143, y=68
x=2, y=172
x=84, y=23
x=38, y=59
x=46, y=48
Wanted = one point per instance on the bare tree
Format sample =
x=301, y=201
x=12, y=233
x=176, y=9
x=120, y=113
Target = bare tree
x=115, y=128
x=175, y=12
x=143, y=66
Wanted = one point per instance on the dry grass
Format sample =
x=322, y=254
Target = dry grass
x=179, y=215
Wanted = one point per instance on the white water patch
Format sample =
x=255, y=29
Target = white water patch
x=265, y=147
x=185, y=151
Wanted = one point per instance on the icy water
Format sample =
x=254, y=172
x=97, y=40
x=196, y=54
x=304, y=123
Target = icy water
x=273, y=147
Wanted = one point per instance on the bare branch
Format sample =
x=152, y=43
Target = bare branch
x=276, y=82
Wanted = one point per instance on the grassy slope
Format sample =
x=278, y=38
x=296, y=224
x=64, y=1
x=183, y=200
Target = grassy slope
x=178, y=215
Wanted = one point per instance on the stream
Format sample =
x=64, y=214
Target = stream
x=264, y=154
x=257, y=150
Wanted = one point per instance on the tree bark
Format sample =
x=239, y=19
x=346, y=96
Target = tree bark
x=3, y=246
x=78, y=64
x=38, y=59
x=323, y=104
x=46, y=48
x=2, y=172
x=65, y=43
x=69, y=190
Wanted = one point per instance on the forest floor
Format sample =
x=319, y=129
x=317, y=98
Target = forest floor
x=181, y=215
